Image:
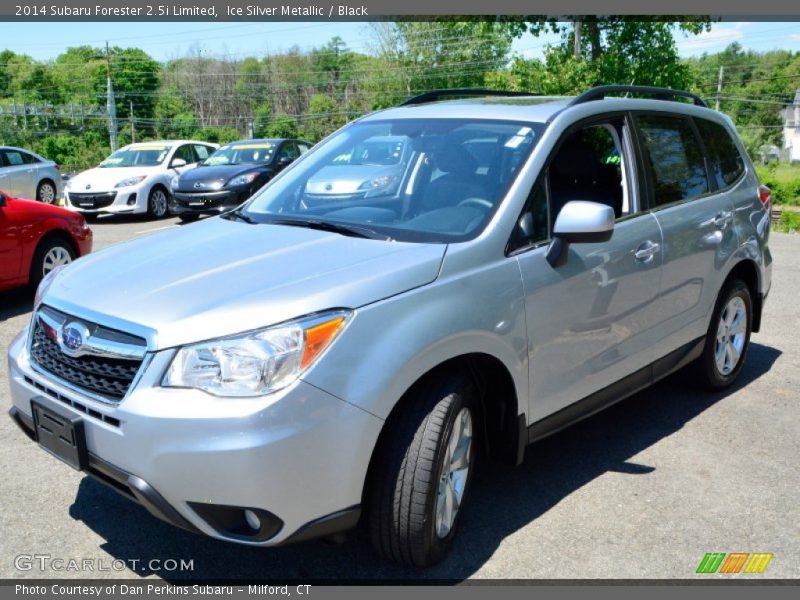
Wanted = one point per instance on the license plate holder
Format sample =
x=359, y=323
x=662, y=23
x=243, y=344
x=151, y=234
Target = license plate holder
x=61, y=434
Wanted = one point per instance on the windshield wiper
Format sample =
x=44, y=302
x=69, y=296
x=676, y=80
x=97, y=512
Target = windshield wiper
x=341, y=228
x=238, y=214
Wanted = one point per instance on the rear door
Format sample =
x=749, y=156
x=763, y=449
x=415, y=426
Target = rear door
x=16, y=172
x=591, y=321
x=696, y=220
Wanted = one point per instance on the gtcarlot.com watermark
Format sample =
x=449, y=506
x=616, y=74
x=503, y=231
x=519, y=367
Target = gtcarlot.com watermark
x=49, y=563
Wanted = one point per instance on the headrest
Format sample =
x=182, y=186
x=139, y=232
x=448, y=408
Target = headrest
x=575, y=160
x=455, y=160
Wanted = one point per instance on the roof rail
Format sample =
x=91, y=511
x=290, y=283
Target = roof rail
x=436, y=95
x=600, y=92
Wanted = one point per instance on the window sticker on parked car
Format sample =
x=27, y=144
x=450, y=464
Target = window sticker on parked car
x=518, y=138
x=255, y=146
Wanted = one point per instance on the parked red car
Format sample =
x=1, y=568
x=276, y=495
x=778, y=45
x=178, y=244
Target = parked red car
x=35, y=238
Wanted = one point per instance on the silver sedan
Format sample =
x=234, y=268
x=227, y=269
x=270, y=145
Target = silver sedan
x=24, y=174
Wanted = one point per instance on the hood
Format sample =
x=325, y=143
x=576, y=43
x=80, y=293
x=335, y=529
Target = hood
x=220, y=277
x=346, y=179
x=214, y=173
x=104, y=180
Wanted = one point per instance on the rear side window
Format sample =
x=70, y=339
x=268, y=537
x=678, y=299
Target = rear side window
x=29, y=159
x=725, y=161
x=673, y=158
x=14, y=158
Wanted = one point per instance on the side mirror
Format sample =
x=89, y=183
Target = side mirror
x=3, y=200
x=177, y=163
x=284, y=161
x=579, y=222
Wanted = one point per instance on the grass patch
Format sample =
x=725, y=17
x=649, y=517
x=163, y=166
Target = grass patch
x=784, y=181
x=789, y=222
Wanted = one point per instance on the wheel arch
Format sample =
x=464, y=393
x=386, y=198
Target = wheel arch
x=498, y=405
x=746, y=270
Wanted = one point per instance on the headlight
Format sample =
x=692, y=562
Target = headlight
x=377, y=183
x=245, y=179
x=44, y=284
x=173, y=183
x=130, y=181
x=255, y=363
x=68, y=184
x=379, y=186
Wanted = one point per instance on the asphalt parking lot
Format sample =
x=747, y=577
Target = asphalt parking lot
x=643, y=490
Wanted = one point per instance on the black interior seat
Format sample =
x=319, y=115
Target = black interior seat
x=457, y=183
x=577, y=174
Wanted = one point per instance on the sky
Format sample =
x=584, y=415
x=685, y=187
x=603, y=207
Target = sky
x=164, y=41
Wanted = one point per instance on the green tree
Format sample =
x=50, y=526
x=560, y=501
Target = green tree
x=281, y=126
x=625, y=50
x=323, y=118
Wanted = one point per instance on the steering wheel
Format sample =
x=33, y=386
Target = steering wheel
x=481, y=203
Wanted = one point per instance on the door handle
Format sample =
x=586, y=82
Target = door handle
x=722, y=219
x=646, y=251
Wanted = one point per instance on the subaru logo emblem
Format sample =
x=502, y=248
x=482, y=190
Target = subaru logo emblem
x=73, y=336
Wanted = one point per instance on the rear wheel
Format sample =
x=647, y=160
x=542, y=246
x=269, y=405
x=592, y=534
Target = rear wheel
x=424, y=466
x=46, y=192
x=158, y=203
x=727, y=339
x=50, y=254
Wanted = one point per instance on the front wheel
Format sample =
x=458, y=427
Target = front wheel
x=158, y=203
x=727, y=339
x=424, y=467
x=50, y=254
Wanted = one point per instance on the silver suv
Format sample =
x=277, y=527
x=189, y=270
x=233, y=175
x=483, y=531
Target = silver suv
x=295, y=367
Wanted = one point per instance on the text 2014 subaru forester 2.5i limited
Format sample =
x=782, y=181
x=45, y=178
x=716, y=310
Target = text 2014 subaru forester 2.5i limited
x=336, y=359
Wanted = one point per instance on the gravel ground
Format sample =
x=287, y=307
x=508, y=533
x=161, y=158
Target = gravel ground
x=642, y=490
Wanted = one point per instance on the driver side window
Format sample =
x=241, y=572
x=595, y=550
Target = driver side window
x=588, y=164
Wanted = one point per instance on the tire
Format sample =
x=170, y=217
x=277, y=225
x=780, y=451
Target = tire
x=413, y=481
x=158, y=203
x=188, y=217
x=50, y=253
x=728, y=338
x=46, y=192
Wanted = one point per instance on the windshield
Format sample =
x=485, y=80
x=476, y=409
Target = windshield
x=149, y=155
x=423, y=180
x=235, y=154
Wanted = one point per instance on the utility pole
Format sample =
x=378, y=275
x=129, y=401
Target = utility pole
x=111, y=105
x=719, y=88
x=577, y=26
x=133, y=126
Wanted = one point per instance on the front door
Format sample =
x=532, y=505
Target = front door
x=590, y=322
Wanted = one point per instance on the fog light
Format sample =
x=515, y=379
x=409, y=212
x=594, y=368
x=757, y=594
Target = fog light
x=132, y=199
x=252, y=520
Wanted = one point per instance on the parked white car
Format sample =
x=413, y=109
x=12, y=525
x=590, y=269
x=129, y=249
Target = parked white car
x=24, y=174
x=135, y=179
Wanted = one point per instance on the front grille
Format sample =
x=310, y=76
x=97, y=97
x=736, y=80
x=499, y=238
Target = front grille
x=104, y=376
x=88, y=200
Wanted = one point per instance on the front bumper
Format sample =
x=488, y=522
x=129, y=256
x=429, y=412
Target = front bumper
x=300, y=455
x=131, y=199
x=207, y=202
